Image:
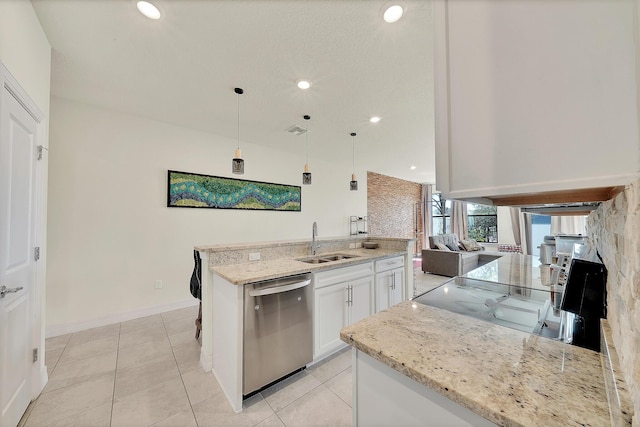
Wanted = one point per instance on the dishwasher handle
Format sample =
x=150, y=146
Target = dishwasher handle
x=279, y=289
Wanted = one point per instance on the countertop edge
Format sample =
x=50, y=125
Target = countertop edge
x=470, y=389
x=290, y=266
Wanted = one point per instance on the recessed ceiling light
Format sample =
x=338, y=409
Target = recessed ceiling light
x=148, y=10
x=412, y=167
x=374, y=119
x=303, y=84
x=393, y=12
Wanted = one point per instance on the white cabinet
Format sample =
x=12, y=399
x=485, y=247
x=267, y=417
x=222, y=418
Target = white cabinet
x=341, y=296
x=389, y=282
x=385, y=397
x=535, y=97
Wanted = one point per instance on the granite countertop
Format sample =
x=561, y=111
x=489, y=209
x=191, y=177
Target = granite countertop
x=255, y=271
x=509, y=377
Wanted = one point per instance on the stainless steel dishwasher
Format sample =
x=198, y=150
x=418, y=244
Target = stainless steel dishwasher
x=278, y=329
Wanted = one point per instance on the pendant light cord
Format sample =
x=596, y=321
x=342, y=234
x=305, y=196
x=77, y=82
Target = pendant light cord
x=353, y=141
x=238, y=121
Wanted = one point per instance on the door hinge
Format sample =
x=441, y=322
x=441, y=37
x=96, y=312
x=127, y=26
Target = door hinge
x=40, y=149
x=35, y=355
x=36, y=253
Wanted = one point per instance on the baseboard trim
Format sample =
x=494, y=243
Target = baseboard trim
x=68, y=328
x=206, y=361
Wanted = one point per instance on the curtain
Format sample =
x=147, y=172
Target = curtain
x=515, y=224
x=569, y=225
x=525, y=233
x=427, y=194
x=459, y=219
x=521, y=227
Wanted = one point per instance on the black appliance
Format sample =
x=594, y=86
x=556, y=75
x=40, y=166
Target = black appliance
x=585, y=296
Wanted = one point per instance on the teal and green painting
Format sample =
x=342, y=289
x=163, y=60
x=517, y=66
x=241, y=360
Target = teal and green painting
x=191, y=190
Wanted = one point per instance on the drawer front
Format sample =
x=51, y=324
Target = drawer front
x=342, y=274
x=389, y=263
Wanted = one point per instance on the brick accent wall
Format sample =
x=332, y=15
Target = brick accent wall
x=390, y=206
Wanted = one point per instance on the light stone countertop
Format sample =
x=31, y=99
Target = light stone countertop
x=255, y=271
x=509, y=377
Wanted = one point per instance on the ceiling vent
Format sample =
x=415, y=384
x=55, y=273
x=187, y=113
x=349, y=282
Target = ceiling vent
x=296, y=130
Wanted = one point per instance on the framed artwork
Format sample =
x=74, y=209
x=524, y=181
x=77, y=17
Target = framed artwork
x=192, y=190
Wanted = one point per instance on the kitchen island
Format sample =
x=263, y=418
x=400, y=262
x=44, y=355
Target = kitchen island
x=229, y=271
x=415, y=364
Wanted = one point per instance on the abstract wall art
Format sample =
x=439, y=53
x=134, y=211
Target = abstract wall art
x=192, y=190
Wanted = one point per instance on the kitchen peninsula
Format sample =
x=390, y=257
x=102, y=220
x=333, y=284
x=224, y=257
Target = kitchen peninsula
x=414, y=364
x=341, y=269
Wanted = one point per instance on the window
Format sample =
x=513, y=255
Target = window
x=483, y=222
x=483, y=219
x=441, y=215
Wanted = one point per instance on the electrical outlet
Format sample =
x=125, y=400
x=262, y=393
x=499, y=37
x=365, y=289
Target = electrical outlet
x=158, y=284
x=254, y=256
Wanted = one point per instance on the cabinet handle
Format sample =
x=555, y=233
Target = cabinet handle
x=351, y=295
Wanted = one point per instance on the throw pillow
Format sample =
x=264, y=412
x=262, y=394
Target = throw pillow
x=442, y=247
x=471, y=245
x=452, y=247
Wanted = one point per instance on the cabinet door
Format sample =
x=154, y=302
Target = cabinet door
x=383, y=290
x=330, y=305
x=539, y=89
x=361, y=299
x=397, y=286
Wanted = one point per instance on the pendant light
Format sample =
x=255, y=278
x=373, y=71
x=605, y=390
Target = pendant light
x=237, y=164
x=306, y=175
x=353, y=185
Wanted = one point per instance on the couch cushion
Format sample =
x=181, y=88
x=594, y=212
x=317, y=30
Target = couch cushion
x=442, y=247
x=469, y=261
x=449, y=240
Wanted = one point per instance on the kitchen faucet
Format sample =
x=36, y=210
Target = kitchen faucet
x=314, y=234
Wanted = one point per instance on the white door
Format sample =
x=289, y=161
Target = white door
x=397, y=289
x=330, y=307
x=383, y=290
x=361, y=298
x=18, y=144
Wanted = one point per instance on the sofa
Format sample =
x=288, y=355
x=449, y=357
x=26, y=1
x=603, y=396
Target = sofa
x=445, y=261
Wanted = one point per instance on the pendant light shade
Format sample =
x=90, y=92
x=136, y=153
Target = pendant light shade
x=353, y=184
x=237, y=164
x=306, y=175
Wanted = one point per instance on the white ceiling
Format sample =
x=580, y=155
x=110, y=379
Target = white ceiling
x=182, y=70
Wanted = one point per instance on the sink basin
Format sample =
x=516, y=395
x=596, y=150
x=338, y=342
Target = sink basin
x=320, y=259
x=314, y=260
x=337, y=257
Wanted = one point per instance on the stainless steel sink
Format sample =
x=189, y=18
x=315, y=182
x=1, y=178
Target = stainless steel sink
x=320, y=259
x=313, y=260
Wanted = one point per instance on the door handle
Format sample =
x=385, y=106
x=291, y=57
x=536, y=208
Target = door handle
x=279, y=289
x=4, y=290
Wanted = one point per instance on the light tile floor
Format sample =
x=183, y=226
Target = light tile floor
x=146, y=372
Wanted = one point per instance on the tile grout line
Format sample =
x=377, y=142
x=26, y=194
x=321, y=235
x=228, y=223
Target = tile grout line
x=115, y=374
x=36, y=401
x=179, y=372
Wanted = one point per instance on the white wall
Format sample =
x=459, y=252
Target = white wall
x=25, y=50
x=110, y=232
